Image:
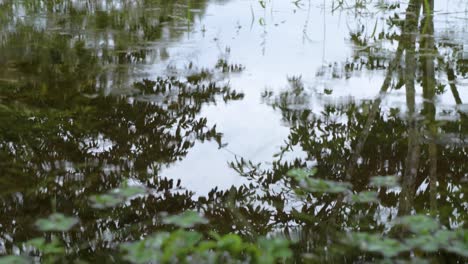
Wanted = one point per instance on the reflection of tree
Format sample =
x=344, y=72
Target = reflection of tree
x=67, y=151
x=46, y=40
x=354, y=141
x=61, y=143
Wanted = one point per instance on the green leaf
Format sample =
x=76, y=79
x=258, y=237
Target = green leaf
x=324, y=186
x=145, y=251
x=231, y=243
x=187, y=219
x=388, y=247
x=15, y=260
x=273, y=249
x=419, y=224
x=116, y=196
x=301, y=174
x=458, y=243
x=105, y=200
x=384, y=181
x=53, y=247
x=180, y=244
x=365, y=197
x=56, y=222
x=426, y=243
x=129, y=191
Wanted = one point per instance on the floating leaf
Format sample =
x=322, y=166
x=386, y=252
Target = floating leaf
x=56, y=222
x=187, y=219
x=365, y=197
x=419, y=224
x=384, y=181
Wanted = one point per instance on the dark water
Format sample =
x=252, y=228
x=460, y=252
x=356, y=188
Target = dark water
x=209, y=104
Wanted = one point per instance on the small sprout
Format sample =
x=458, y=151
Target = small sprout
x=56, y=222
x=384, y=181
x=187, y=219
x=365, y=197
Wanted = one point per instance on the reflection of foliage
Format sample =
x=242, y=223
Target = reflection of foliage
x=101, y=42
x=66, y=146
x=62, y=142
x=354, y=141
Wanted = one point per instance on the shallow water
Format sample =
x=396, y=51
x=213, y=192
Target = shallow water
x=303, y=86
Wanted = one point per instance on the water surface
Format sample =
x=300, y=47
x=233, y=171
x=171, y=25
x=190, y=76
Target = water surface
x=209, y=104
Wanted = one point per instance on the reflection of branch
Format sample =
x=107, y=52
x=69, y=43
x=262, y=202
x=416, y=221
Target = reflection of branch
x=412, y=156
x=453, y=86
x=373, y=112
x=407, y=37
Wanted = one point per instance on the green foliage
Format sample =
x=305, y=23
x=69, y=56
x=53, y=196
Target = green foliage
x=183, y=246
x=14, y=260
x=186, y=219
x=116, y=196
x=51, y=251
x=324, y=186
x=272, y=250
x=388, y=247
x=419, y=224
x=365, y=197
x=302, y=176
x=426, y=235
x=56, y=222
x=53, y=247
x=384, y=181
x=144, y=251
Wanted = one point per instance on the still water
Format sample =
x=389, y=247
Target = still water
x=208, y=104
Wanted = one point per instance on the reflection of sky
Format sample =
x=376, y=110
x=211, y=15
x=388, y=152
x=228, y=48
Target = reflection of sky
x=292, y=42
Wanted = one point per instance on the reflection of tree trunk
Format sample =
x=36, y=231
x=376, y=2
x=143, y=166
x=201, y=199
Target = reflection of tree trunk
x=453, y=86
x=409, y=30
x=373, y=113
x=428, y=51
x=412, y=158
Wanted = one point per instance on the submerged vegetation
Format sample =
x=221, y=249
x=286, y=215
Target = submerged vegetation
x=86, y=137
